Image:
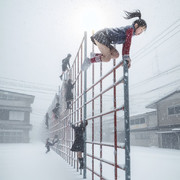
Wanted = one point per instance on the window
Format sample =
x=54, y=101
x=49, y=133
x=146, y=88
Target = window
x=174, y=110
x=142, y=121
x=16, y=115
x=132, y=122
x=171, y=110
x=177, y=110
x=4, y=114
x=138, y=121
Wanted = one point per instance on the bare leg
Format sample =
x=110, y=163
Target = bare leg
x=80, y=158
x=108, y=53
x=79, y=154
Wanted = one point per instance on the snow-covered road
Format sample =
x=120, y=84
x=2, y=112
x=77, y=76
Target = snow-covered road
x=30, y=162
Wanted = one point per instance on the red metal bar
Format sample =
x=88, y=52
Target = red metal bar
x=109, y=112
x=76, y=116
x=117, y=83
x=103, y=77
x=107, y=89
x=122, y=145
x=101, y=129
x=107, y=162
x=97, y=174
x=107, y=74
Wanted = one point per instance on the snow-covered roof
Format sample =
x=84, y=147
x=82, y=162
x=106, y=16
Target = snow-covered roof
x=14, y=95
x=147, y=111
x=153, y=104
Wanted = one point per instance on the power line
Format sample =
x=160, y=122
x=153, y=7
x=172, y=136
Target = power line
x=26, y=82
x=25, y=86
x=152, y=43
x=158, y=37
x=152, y=48
x=171, y=70
x=23, y=90
x=175, y=68
x=166, y=85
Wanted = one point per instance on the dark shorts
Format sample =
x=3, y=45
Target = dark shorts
x=102, y=38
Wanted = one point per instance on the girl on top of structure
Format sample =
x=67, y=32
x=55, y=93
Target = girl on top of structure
x=108, y=36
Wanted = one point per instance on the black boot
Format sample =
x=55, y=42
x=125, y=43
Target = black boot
x=81, y=163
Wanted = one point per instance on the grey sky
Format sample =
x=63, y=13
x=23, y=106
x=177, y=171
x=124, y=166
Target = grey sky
x=36, y=34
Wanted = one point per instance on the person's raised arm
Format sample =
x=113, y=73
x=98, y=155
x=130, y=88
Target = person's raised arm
x=126, y=46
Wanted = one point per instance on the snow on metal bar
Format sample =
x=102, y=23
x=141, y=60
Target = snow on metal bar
x=107, y=162
x=97, y=174
x=107, y=89
x=121, y=145
x=103, y=77
x=103, y=114
x=78, y=114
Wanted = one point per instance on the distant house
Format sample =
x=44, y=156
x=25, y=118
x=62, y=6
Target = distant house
x=15, y=111
x=168, y=120
x=160, y=127
x=143, y=129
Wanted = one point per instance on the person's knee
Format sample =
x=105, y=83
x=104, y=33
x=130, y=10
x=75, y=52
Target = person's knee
x=106, y=58
x=114, y=54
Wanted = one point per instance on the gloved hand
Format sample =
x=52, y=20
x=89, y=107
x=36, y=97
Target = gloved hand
x=127, y=58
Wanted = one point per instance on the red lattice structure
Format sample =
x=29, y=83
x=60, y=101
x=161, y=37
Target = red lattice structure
x=100, y=97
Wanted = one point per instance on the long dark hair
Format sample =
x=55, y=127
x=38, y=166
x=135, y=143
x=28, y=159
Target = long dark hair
x=137, y=13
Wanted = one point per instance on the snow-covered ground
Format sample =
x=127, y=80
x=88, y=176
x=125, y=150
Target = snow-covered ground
x=29, y=162
x=155, y=164
x=147, y=163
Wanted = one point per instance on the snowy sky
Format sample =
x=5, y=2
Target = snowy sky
x=36, y=34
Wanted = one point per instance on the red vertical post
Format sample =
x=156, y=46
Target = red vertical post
x=101, y=121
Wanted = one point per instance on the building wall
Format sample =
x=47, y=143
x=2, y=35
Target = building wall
x=15, y=103
x=143, y=129
x=164, y=118
x=151, y=119
x=15, y=111
x=144, y=138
